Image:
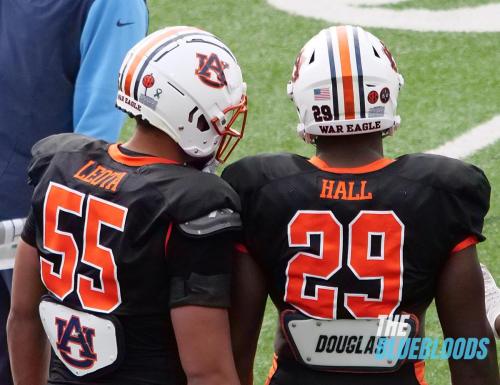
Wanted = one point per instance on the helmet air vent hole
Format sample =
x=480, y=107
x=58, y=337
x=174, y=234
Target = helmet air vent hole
x=312, y=58
x=202, y=124
x=375, y=52
x=191, y=114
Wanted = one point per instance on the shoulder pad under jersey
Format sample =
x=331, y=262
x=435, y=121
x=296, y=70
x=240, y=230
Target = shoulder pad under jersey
x=253, y=172
x=59, y=142
x=44, y=150
x=465, y=190
x=194, y=194
x=452, y=175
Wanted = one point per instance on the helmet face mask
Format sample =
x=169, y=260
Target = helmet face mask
x=345, y=82
x=233, y=129
x=187, y=83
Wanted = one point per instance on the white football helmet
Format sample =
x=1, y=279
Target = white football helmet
x=345, y=82
x=187, y=83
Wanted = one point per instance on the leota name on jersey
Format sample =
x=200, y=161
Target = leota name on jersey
x=100, y=176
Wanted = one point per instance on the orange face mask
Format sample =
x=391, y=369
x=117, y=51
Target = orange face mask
x=236, y=116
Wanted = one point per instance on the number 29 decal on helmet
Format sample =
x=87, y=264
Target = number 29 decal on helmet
x=187, y=83
x=345, y=82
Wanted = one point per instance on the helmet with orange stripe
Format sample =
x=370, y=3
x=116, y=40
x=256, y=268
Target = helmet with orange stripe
x=187, y=83
x=345, y=82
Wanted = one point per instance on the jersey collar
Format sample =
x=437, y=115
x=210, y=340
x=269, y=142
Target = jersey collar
x=370, y=167
x=135, y=161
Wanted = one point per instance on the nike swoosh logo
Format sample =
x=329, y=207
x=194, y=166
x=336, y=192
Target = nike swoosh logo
x=120, y=24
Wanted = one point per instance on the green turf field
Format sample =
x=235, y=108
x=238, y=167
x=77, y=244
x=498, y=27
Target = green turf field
x=452, y=85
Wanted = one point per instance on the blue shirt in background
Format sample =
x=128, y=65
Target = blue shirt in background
x=59, y=64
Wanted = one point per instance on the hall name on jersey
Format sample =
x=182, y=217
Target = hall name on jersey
x=345, y=190
x=100, y=176
x=339, y=129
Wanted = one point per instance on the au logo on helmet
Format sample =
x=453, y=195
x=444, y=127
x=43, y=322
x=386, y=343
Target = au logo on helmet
x=297, y=65
x=211, y=70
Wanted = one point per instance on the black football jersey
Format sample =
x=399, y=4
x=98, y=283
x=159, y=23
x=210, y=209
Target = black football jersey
x=107, y=226
x=356, y=243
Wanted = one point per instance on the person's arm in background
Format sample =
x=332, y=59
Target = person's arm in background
x=111, y=29
x=460, y=306
x=248, y=302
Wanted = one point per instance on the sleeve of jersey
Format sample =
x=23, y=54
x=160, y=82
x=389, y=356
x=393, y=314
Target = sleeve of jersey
x=112, y=27
x=205, y=214
x=466, y=208
x=200, y=268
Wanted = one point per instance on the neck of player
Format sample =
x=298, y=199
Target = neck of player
x=350, y=151
x=152, y=141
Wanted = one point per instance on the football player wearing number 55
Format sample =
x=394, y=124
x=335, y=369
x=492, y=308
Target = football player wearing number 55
x=349, y=237
x=123, y=271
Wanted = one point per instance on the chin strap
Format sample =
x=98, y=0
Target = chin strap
x=211, y=166
x=308, y=138
x=394, y=128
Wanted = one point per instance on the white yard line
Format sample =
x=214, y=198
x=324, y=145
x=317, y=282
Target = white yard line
x=484, y=18
x=468, y=19
x=472, y=141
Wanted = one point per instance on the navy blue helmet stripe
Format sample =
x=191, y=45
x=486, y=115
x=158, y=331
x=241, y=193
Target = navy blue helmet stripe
x=155, y=52
x=217, y=45
x=333, y=75
x=359, y=66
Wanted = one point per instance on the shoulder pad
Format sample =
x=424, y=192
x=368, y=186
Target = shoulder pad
x=452, y=175
x=464, y=187
x=197, y=194
x=251, y=173
x=44, y=150
x=217, y=220
x=60, y=142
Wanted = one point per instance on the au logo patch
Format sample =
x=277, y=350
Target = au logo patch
x=84, y=343
x=70, y=333
x=211, y=70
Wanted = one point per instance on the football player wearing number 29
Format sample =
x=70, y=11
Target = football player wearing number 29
x=349, y=236
x=124, y=263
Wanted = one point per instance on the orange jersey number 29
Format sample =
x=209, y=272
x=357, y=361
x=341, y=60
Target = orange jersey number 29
x=387, y=267
x=105, y=297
